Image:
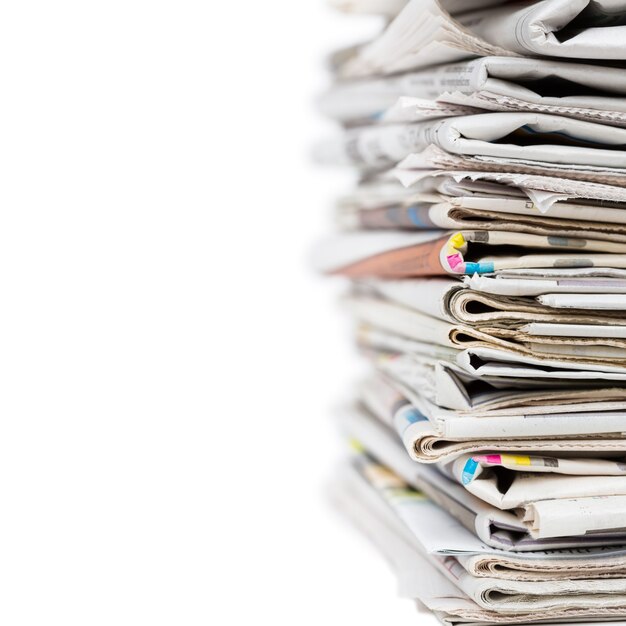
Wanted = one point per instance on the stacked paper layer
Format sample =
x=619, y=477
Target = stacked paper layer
x=485, y=250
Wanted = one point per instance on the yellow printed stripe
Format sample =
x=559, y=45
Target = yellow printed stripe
x=514, y=459
x=458, y=241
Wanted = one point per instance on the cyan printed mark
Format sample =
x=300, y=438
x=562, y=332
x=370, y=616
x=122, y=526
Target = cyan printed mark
x=468, y=471
x=479, y=268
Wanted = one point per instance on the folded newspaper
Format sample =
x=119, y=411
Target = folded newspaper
x=390, y=254
x=519, y=517
x=486, y=206
x=412, y=532
x=587, y=92
x=483, y=254
x=556, y=143
x=431, y=32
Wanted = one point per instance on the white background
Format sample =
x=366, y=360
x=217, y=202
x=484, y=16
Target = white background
x=168, y=361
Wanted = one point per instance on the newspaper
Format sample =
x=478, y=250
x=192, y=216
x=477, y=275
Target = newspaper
x=431, y=433
x=593, y=346
x=438, y=252
x=582, y=180
x=588, y=92
x=442, y=199
x=584, y=281
x=497, y=527
x=486, y=211
x=385, y=502
x=417, y=578
x=584, y=316
x=552, y=495
x=454, y=301
x=553, y=140
x=504, y=364
x=442, y=382
x=443, y=535
x=543, y=186
x=432, y=32
x=495, y=364
x=483, y=250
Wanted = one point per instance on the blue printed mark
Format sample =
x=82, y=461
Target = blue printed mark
x=479, y=268
x=413, y=415
x=419, y=216
x=468, y=471
x=405, y=417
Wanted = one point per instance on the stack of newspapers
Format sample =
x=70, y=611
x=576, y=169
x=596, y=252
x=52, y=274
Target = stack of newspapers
x=485, y=247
